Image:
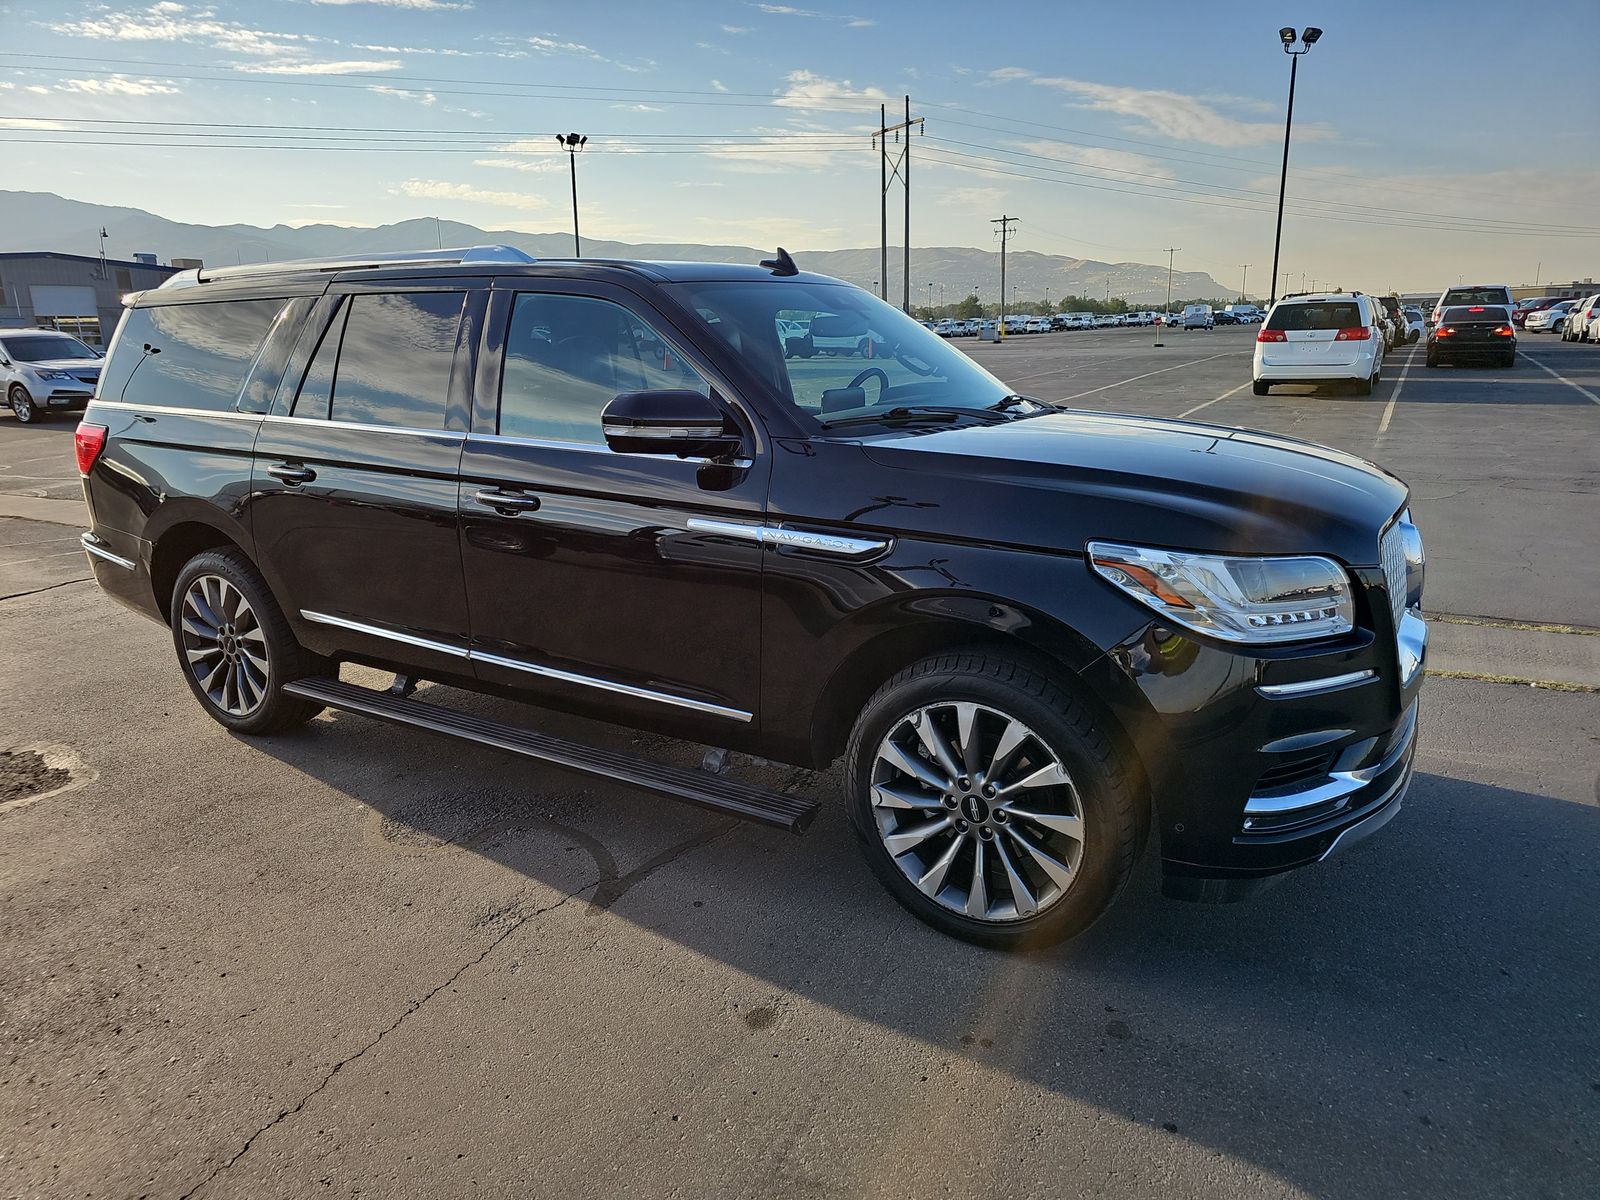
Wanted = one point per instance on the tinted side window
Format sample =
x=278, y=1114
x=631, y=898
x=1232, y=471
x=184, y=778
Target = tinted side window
x=568, y=356
x=316, y=389
x=395, y=357
x=198, y=357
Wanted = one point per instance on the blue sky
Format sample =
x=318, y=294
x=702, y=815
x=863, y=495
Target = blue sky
x=1431, y=141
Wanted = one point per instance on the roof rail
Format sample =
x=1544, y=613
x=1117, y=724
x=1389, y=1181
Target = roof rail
x=404, y=258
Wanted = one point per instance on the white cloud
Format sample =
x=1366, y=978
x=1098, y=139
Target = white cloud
x=420, y=5
x=29, y=123
x=537, y=165
x=549, y=45
x=424, y=98
x=118, y=85
x=1113, y=164
x=438, y=189
x=977, y=199
x=1174, y=115
x=736, y=29
x=789, y=10
x=814, y=93
x=38, y=90
x=1009, y=74
x=171, y=22
x=447, y=51
x=639, y=108
x=311, y=67
x=718, y=85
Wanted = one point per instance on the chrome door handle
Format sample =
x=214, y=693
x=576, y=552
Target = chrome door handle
x=507, y=503
x=291, y=474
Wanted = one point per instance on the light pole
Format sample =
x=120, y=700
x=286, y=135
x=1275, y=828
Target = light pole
x=1167, y=314
x=572, y=143
x=1307, y=40
x=1243, y=280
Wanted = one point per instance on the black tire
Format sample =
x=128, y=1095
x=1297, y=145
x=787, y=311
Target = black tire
x=286, y=659
x=1112, y=811
x=22, y=404
x=1509, y=360
x=1364, y=386
x=1432, y=360
x=1260, y=387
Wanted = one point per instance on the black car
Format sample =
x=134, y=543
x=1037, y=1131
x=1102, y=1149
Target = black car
x=1034, y=634
x=1473, y=332
x=1224, y=317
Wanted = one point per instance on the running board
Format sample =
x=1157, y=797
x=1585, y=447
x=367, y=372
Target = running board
x=716, y=792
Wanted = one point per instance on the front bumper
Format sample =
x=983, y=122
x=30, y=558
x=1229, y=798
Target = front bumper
x=1264, y=760
x=60, y=396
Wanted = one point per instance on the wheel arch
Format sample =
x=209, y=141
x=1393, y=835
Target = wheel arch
x=182, y=537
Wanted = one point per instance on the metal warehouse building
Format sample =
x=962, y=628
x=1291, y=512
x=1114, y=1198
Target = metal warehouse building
x=75, y=293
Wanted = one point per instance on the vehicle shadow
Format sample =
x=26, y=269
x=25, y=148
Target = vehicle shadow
x=1360, y=1030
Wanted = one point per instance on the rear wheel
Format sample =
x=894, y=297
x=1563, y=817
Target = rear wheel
x=236, y=649
x=1260, y=387
x=1509, y=360
x=22, y=404
x=990, y=803
x=1432, y=360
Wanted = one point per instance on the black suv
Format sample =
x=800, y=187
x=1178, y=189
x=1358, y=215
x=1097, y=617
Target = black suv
x=625, y=489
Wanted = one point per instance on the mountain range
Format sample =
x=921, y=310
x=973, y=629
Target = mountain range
x=39, y=221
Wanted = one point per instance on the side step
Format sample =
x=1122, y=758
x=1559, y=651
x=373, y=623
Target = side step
x=715, y=792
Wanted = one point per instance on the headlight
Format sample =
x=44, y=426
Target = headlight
x=61, y=375
x=1261, y=600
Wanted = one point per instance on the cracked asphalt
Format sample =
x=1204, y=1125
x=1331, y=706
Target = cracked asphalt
x=354, y=961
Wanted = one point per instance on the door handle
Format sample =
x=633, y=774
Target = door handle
x=507, y=504
x=292, y=474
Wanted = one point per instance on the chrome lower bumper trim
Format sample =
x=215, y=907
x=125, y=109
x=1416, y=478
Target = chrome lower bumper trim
x=95, y=548
x=1367, y=826
x=1315, y=687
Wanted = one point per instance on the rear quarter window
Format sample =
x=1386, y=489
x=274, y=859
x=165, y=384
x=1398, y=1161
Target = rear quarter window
x=187, y=355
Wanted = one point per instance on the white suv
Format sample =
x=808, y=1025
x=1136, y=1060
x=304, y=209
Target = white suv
x=42, y=371
x=1317, y=339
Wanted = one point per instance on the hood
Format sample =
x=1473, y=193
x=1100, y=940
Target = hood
x=76, y=366
x=1059, y=480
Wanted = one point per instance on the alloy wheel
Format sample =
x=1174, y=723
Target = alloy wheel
x=977, y=811
x=224, y=645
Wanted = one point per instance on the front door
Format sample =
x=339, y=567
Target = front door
x=594, y=578
x=354, y=484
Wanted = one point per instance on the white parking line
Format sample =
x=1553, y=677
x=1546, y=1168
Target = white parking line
x=1209, y=403
x=1581, y=390
x=1108, y=386
x=1394, y=396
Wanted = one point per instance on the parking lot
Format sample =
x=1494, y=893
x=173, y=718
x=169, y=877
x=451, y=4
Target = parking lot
x=354, y=959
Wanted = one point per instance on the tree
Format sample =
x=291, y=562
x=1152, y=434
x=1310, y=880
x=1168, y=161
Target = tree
x=968, y=306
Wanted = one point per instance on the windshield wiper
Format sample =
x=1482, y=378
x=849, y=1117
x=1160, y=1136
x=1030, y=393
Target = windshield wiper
x=1007, y=403
x=909, y=412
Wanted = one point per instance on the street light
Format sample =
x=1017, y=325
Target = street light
x=572, y=143
x=1307, y=40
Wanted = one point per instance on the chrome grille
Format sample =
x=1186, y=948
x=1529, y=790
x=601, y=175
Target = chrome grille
x=1391, y=552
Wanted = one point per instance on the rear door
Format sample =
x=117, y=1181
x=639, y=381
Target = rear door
x=599, y=578
x=354, y=483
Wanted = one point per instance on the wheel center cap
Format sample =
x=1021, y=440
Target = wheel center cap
x=974, y=809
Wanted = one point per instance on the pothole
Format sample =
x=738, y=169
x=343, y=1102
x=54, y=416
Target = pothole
x=29, y=774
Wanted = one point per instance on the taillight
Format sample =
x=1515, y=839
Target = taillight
x=1504, y=331
x=87, y=444
x=1445, y=331
x=1272, y=335
x=1356, y=333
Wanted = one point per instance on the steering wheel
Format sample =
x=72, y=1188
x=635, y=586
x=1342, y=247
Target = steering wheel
x=883, y=379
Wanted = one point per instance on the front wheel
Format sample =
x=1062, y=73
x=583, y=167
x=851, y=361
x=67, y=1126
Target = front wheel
x=990, y=802
x=22, y=405
x=235, y=646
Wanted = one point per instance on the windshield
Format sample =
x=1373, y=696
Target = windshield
x=44, y=348
x=833, y=351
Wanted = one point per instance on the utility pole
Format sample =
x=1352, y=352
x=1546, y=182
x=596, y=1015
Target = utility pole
x=103, y=236
x=572, y=143
x=891, y=167
x=1006, y=223
x=1167, y=312
x=1243, y=293
x=1288, y=37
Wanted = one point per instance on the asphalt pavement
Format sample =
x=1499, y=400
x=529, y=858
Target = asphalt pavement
x=351, y=960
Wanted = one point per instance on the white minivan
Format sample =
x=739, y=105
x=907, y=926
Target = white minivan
x=1197, y=316
x=1320, y=339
